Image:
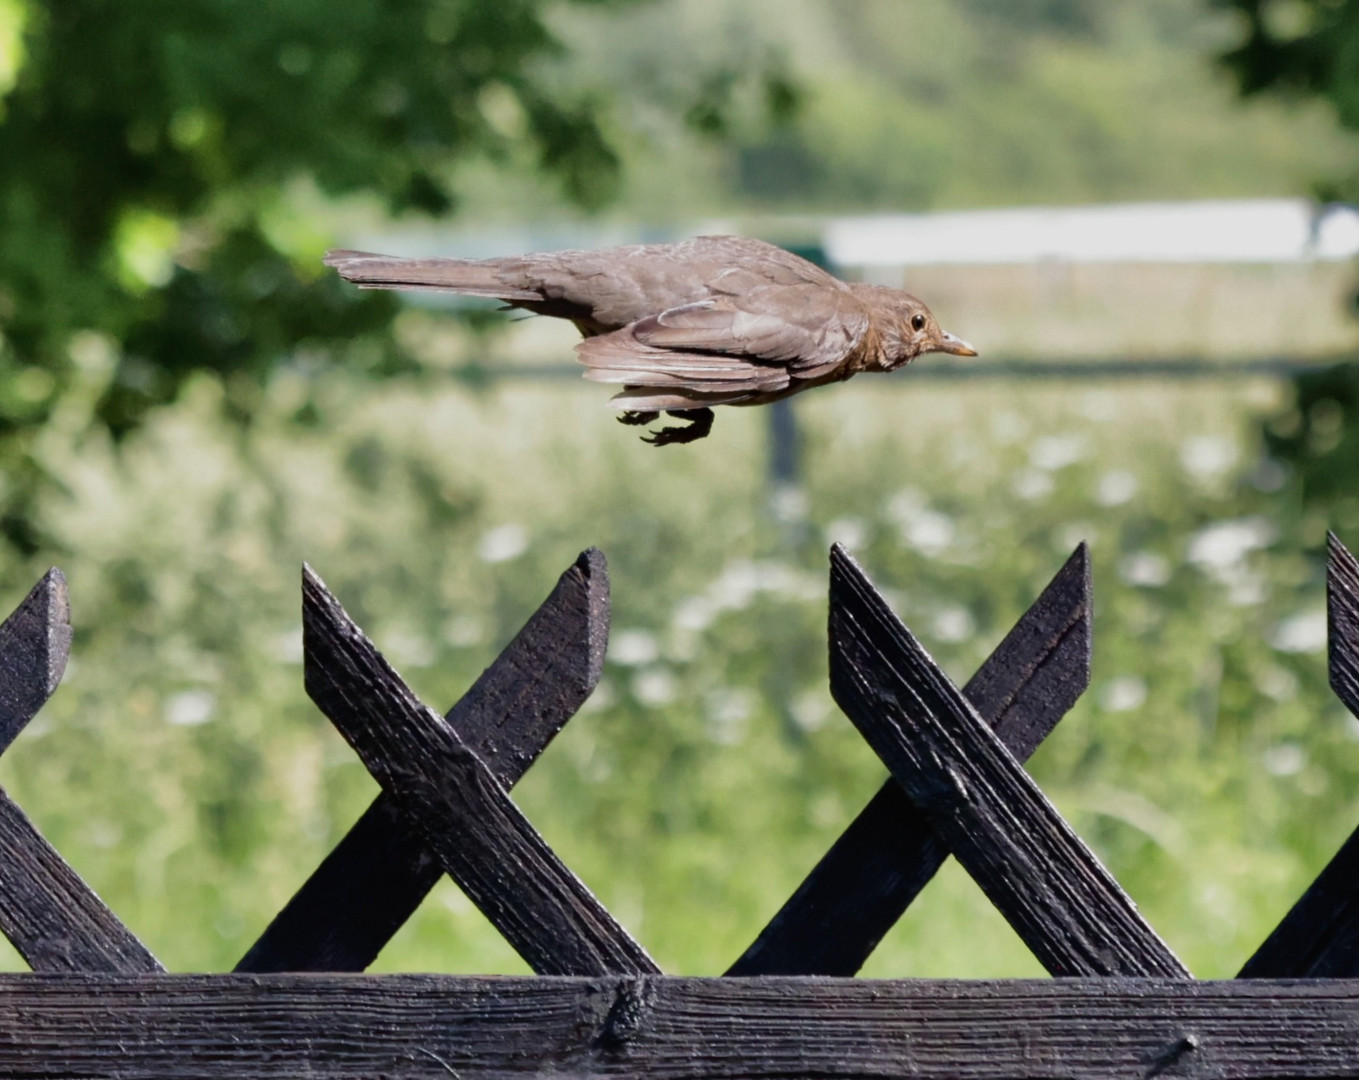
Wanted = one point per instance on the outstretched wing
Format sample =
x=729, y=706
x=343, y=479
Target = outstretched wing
x=754, y=341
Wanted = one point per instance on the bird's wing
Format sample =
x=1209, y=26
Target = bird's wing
x=650, y=399
x=622, y=285
x=804, y=327
x=755, y=341
x=620, y=358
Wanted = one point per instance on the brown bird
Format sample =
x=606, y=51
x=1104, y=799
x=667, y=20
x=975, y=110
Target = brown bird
x=717, y=320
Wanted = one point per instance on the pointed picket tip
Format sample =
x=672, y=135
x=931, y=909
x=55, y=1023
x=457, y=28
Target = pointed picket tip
x=594, y=569
x=35, y=643
x=1052, y=645
x=845, y=568
x=1342, y=621
x=588, y=575
x=1058, y=626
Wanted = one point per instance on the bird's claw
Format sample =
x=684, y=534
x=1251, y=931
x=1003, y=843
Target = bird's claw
x=700, y=424
x=632, y=418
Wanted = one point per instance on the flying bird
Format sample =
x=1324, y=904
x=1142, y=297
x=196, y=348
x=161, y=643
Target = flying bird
x=716, y=320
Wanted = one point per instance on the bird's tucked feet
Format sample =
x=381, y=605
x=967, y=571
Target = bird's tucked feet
x=635, y=418
x=700, y=423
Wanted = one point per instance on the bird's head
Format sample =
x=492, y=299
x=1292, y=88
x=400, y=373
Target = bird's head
x=907, y=326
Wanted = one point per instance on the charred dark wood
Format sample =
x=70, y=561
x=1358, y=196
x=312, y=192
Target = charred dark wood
x=890, y=851
x=464, y=815
x=285, y=1026
x=1319, y=937
x=35, y=642
x=375, y=878
x=1342, y=622
x=1050, y=887
x=51, y=917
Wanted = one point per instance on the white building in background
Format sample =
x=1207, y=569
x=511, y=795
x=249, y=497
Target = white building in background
x=1235, y=231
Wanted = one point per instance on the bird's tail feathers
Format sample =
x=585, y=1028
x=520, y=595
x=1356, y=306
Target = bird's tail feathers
x=468, y=277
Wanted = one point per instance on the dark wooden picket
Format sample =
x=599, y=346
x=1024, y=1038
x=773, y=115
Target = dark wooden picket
x=1319, y=937
x=51, y=917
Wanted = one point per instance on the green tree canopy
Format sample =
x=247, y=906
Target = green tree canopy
x=1302, y=47
x=154, y=155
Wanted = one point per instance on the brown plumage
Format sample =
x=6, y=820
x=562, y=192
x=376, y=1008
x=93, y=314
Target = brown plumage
x=717, y=320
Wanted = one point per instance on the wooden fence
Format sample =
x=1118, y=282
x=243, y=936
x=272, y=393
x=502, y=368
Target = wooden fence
x=98, y=1004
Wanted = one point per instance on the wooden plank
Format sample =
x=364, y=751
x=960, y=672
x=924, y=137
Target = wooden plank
x=465, y=816
x=1049, y=886
x=35, y=642
x=375, y=878
x=53, y=919
x=430, y=1028
x=890, y=852
x=1342, y=618
x=1319, y=937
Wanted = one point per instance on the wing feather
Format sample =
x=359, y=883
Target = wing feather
x=647, y=399
x=803, y=326
x=620, y=358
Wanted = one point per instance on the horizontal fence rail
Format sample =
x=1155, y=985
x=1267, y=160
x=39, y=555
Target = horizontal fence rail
x=436, y=1027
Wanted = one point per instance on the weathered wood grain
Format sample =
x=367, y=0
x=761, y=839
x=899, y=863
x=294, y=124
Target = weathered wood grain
x=465, y=817
x=51, y=917
x=1049, y=886
x=1342, y=622
x=890, y=851
x=1319, y=937
x=333, y=1027
x=35, y=642
x=375, y=878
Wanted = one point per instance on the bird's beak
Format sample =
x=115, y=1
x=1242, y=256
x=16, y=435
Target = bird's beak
x=955, y=345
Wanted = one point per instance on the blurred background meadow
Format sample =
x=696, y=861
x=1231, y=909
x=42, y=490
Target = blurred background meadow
x=190, y=406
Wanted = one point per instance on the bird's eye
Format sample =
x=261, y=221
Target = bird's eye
x=917, y=323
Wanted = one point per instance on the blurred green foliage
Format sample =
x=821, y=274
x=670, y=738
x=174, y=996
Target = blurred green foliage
x=1304, y=48
x=163, y=166
x=1310, y=49
x=151, y=154
x=934, y=103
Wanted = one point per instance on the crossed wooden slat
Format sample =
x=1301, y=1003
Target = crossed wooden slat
x=457, y=803
x=54, y=920
x=890, y=851
x=373, y=881
x=957, y=786
x=1319, y=937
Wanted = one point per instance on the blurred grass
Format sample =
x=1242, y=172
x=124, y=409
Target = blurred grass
x=181, y=769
